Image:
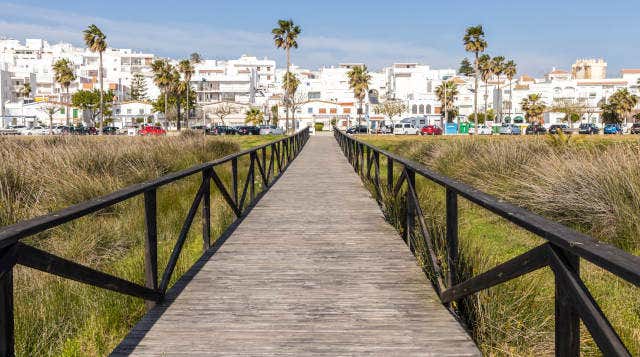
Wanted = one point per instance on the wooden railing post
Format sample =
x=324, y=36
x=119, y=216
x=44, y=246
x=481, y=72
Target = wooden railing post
x=252, y=174
x=567, y=320
x=389, y=173
x=6, y=302
x=452, y=235
x=411, y=217
x=234, y=178
x=151, y=243
x=206, y=208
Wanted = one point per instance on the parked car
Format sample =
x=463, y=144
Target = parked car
x=430, y=130
x=152, y=130
x=20, y=129
x=248, y=130
x=482, y=130
x=60, y=129
x=83, y=130
x=221, y=130
x=613, y=129
x=36, y=130
x=405, y=129
x=110, y=130
x=358, y=129
x=555, y=128
x=270, y=130
x=588, y=128
x=635, y=128
x=535, y=129
x=510, y=129
x=384, y=129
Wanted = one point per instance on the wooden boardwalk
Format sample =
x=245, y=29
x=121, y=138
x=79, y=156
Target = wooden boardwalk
x=314, y=269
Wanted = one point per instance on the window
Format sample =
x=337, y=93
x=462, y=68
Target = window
x=414, y=109
x=333, y=110
x=428, y=109
x=141, y=111
x=421, y=109
x=129, y=111
x=313, y=95
x=398, y=126
x=323, y=111
x=346, y=110
x=310, y=110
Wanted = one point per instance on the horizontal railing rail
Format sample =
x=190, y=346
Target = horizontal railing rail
x=266, y=163
x=562, y=252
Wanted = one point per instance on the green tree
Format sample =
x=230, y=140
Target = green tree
x=571, y=109
x=624, y=103
x=533, y=107
x=498, y=66
x=195, y=58
x=89, y=101
x=63, y=74
x=274, y=114
x=138, y=87
x=510, y=70
x=285, y=36
x=25, y=90
x=466, y=68
x=253, y=116
x=162, y=77
x=290, y=84
x=50, y=110
x=185, y=67
x=485, y=66
x=446, y=93
x=359, y=79
x=176, y=100
x=390, y=108
x=96, y=41
x=474, y=42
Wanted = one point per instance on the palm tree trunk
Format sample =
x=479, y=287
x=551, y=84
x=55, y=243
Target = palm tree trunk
x=510, y=99
x=187, y=120
x=66, y=110
x=486, y=95
x=101, y=96
x=178, y=112
x=51, y=124
x=499, y=102
x=286, y=92
x=166, y=106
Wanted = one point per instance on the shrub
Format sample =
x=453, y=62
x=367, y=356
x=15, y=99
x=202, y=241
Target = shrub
x=318, y=126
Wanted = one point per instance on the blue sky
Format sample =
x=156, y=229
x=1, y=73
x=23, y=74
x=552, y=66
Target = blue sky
x=536, y=34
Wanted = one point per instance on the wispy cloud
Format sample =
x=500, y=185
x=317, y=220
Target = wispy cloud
x=179, y=39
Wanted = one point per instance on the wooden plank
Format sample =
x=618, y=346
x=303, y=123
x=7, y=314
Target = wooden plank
x=151, y=242
x=313, y=269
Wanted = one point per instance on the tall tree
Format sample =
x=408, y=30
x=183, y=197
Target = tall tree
x=285, y=36
x=466, y=69
x=510, y=71
x=446, y=93
x=195, y=58
x=138, y=87
x=624, y=103
x=498, y=66
x=223, y=110
x=162, y=77
x=486, y=71
x=64, y=75
x=25, y=90
x=253, y=116
x=533, y=107
x=290, y=85
x=474, y=42
x=390, y=108
x=359, y=79
x=274, y=114
x=89, y=100
x=185, y=67
x=96, y=41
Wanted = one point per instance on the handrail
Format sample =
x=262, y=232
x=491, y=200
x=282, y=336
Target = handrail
x=562, y=252
x=13, y=251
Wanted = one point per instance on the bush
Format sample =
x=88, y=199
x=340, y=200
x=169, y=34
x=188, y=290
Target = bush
x=318, y=126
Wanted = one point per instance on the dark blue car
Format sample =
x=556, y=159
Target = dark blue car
x=613, y=129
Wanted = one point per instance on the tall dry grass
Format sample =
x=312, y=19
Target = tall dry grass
x=38, y=175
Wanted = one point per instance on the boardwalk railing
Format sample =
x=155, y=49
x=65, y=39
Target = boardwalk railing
x=269, y=166
x=563, y=251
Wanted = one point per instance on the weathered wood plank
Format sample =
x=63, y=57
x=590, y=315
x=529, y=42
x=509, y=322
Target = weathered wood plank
x=313, y=269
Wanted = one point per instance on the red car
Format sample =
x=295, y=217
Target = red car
x=431, y=130
x=152, y=130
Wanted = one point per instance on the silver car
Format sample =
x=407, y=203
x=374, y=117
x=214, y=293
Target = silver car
x=270, y=130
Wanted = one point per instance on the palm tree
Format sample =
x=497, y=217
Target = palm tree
x=474, y=42
x=195, y=58
x=290, y=85
x=533, y=107
x=359, y=79
x=162, y=78
x=25, y=91
x=285, y=36
x=510, y=71
x=254, y=116
x=185, y=67
x=624, y=102
x=96, y=41
x=498, y=67
x=486, y=71
x=446, y=93
x=63, y=75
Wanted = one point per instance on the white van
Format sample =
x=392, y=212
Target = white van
x=405, y=129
